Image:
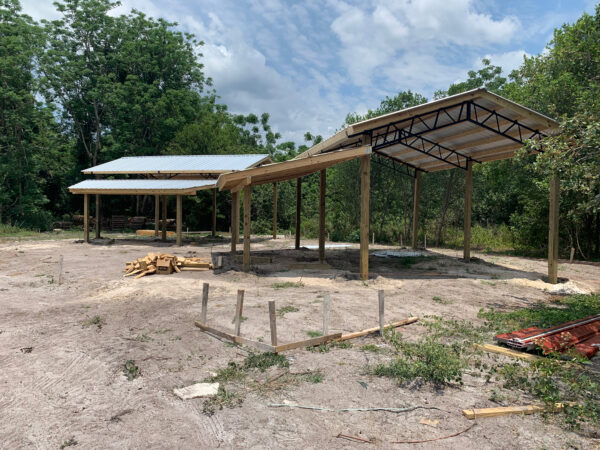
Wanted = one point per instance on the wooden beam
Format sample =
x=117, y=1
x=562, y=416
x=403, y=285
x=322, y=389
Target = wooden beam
x=416, y=200
x=235, y=339
x=98, y=216
x=507, y=352
x=164, y=218
x=308, y=342
x=365, y=193
x=554, y=214
x=506, y=410
x=323, y=188
x=235, y=221
x=274, y=210
x=86, y=217
x=156, y=214
x=298, y=211
x=247, y=225
x=179, y=219
x=468, y=210
x=214, y=212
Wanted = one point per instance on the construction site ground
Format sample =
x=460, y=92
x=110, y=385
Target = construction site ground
x=63, y=347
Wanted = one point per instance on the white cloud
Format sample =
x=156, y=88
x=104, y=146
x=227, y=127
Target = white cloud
x=509, y=61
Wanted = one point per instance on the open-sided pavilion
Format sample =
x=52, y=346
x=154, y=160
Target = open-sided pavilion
x=160, y=176
x=452, y=133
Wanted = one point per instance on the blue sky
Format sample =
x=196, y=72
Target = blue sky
x=308, y=63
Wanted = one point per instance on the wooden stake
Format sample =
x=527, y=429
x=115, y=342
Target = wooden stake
x=326, y=306
x=98, y=219
x=416, y=200
x=381, y=310
x=179, y=219
x=298, y=211
x=156, y=214
x=468, y=209
x=238, y=311
x=365, y=188
x=273, y=322
x=204, y=302
x=164, y=218
x=60, y=269
x=572, y=255
x=553, y=230
x=323, y=188
x=86, y=217
x=235, y=220
x=247, y=225
x=214, y=213
x=274, y=210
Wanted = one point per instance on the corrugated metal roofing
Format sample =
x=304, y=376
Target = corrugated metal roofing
x=141, y=186
x=476, y=125
x=190, y=164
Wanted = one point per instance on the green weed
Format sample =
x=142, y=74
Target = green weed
x=288, y=284
x=130, y=370
x=286, y=309
x=371, y=348
x=96, y=320
x=143, y=338
x=313, y=333
x=223, y=399
x=441, y=300
x=232, y=372
x=263, y=361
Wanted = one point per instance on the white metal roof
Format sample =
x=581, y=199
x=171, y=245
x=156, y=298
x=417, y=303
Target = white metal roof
x=179, y=164
x=107, y=187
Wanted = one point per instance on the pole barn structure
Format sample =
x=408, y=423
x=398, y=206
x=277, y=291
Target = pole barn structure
x=455, y=132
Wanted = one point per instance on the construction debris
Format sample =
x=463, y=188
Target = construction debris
x=507, y=410
x=164, y=264
x=197, y=390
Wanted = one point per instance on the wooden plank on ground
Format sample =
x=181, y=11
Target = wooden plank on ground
x=235, y=339
x=308, y=342
x=506, y=410
x=357, y=334
x=506, y=352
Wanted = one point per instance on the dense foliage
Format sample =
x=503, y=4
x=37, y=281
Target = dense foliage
x=93, y=86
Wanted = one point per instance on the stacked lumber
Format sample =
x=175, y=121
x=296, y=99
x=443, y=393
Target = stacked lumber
x=164, y=264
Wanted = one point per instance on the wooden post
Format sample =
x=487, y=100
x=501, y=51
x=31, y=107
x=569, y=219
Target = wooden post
x=179, y=219
x=235, y=221
x=156, y=214
x=98, y=218
x=416, y=199
x=468, y=208
x=323, y=186
x=381, y=310
x=553, y=229
x=204, y=302
x=365, y=187
x=298, y=211
x=326, y=306
x=164, y=218
x=214, y=213
x=86, y=217
x=273, y=322
x=60, y=269
x=238, y=310
x=274, y=210
x=247, y=225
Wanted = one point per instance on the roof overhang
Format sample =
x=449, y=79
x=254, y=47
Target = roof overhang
x=288, y=170
x=474, y=126
x=142, y=187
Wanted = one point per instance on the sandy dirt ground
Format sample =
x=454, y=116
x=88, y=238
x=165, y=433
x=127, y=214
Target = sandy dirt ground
x=61, y=376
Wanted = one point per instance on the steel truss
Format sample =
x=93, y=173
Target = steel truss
x=393, y=164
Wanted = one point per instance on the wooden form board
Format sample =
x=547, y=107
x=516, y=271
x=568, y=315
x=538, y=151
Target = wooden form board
x=506, y=352
x=507, y=410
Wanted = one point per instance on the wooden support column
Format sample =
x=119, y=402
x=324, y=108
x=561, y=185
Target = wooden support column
x=179, y=219
x=468, y=209
x=298, y=210
x=247, y=224
x=86, y=217
x=164, y=218
x=323, y=186
x=365, y=188
x=553, y=229
x=235, y=220
x=156, y=214
x=416, y=200
x=274, y=210
x=214, y=213
x=98, y=216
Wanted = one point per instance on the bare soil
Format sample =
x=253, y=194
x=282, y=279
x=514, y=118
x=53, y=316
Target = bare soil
x=63, y=348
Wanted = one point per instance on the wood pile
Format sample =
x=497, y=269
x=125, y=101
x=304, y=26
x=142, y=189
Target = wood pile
x=164, y=264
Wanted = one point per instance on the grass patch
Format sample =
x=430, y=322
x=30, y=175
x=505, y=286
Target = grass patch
x=130, y=370
x=143, y=338
x=313, y=333
x=441, y=300
x=232, y=372
x=242, y=319
x=223, y=399
x=288, y=284
x=71, y=442
x=96, y=320
x=314, y=377
x=371, y=348
x=263, y=361
x=286, y=309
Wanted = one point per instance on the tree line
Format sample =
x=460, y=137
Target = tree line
x=92, y=86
